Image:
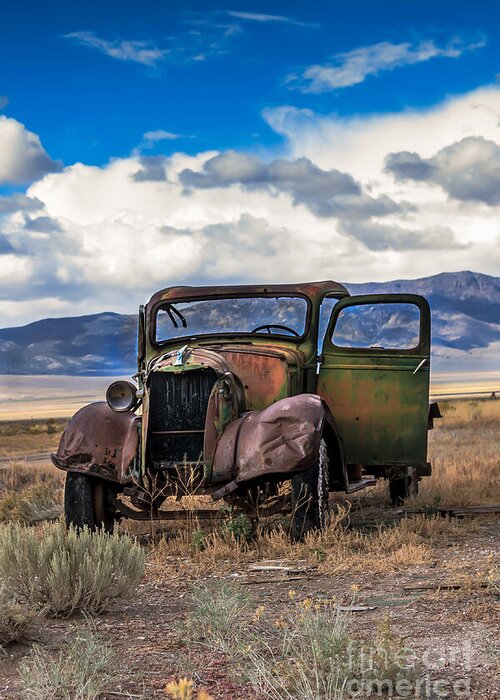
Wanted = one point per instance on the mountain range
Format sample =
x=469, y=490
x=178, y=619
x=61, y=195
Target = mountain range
x=465, y=309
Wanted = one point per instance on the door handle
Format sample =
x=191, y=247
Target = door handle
x=420, y=365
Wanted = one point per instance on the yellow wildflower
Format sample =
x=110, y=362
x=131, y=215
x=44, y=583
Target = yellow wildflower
x=180, y=690
x=258, y=613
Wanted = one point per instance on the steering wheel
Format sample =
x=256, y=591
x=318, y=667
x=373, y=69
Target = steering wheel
x=275, y=325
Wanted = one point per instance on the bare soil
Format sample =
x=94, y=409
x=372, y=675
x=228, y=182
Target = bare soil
x=457, y=629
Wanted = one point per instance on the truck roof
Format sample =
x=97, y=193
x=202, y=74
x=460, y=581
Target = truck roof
x=310, y=289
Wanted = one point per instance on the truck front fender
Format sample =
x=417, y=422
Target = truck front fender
x=100, y=442
x=283, y=438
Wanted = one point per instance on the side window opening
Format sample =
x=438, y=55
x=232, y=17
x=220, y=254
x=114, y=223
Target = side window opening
x=379, y=326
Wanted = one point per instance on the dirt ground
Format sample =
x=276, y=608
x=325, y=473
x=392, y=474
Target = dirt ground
x=453, y=632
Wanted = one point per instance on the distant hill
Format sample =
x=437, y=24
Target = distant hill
x=465, y=315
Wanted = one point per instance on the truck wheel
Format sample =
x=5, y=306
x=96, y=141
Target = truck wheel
x=310, y=496
x=403, y=486
x=85, y=503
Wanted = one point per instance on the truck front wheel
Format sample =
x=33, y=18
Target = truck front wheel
x=310, y=496
x=86, y=503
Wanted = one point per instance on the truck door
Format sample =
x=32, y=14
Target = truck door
x=374, y=376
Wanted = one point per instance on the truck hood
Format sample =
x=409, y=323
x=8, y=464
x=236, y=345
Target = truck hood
x=266, y=373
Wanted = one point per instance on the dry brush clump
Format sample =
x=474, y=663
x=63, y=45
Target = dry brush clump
x=18, y=621
x=18, y=475
x=82, y=671
x=33, y=504
x=61, y=572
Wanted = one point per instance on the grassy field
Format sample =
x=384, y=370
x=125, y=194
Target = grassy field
x=262, y=618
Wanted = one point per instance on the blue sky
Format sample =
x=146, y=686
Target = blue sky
x=158, y=143
x=215, y=71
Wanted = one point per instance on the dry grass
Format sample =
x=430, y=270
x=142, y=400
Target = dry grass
x=23, y=437
x=81, y=672
x=465, y=455
x=33, y=504
x=30, y=493
x=16, y=476
x=336, y=549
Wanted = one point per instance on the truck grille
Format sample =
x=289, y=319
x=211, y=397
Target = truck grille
x=177, y=410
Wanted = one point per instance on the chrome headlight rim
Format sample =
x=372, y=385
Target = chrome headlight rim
x=121, y=396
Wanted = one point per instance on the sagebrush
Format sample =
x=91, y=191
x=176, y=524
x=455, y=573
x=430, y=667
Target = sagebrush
x=62, y=571
x=82, y=671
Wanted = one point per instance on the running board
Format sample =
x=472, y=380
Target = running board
x=358, y=485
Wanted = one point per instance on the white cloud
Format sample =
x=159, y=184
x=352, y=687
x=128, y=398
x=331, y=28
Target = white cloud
x=89, y=238
x=144, y=52
x=259, y=17
x=160, y=135
x=468, y=170
x=353, y=67
x=22, y=156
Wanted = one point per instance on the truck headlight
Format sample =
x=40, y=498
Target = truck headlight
x=122, y=396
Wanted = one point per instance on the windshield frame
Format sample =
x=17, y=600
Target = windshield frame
x=229, y=334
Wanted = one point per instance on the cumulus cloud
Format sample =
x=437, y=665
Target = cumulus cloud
x=22, y=156
x=19, y=202
x=325, y=193
x=353, y=67
x=152, y=169
x=468, y=170
x=144, y=52
x=354, y=199
x=380, y=237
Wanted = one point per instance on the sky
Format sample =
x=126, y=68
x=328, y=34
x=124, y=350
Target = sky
x=150, y=144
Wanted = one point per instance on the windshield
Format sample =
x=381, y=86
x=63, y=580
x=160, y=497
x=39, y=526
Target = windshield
x=282, y=316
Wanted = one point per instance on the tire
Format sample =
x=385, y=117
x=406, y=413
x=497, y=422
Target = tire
x=403, y=486
x=310, y=497
x=85, y=503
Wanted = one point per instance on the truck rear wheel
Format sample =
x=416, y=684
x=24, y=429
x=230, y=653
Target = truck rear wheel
x=403, y=485
x=85, y=503
x=310, y=496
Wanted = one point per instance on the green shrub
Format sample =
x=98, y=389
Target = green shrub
x=81, y=672
x=63, y=571
x=238, y=527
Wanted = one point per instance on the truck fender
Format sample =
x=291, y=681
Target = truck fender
x=100, y=442
x=283, y=438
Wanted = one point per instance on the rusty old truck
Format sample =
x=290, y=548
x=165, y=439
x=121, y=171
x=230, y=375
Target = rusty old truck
x=266, y=396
